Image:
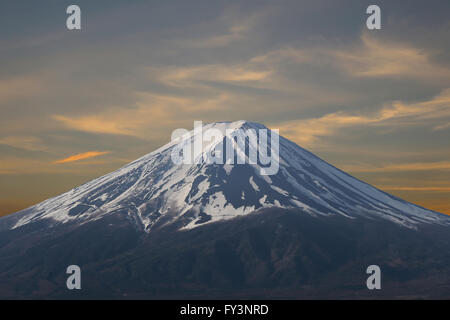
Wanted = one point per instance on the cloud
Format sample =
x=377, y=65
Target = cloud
x=20, y=87
x=222, y=73
x=153, y=115
x=31, y=41
x=379, y=59
x=433, y=189
x=307, y=131
x=194, y=91
x=24, y=142
x=237, y=28
x=234, y=33
x=12, y=165
x=81, y=156
x=96, y=124
x=442, y=126
x=197, y=90
x=286, y=53
x=371, y=57
x=417, y=166
x=15, y=165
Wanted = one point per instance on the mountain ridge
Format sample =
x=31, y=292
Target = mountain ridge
x=153, y=191
x=151, y=230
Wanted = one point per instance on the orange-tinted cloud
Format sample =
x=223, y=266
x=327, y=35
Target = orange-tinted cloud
x=24, y=142
x=19, y=87
x=95, y=123
x=417, y=166
x=307, y=131
x=82, y=156
x=435, y=189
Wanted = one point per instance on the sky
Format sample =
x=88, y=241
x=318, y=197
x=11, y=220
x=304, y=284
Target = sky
x=77, y=104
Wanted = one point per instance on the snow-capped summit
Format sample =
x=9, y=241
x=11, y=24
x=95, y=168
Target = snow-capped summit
x=155, y=191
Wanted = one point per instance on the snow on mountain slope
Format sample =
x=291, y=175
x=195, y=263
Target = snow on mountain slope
x=153, y=190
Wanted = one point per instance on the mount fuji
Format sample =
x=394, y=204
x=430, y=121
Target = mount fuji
x=153, y=191
x=154, y=228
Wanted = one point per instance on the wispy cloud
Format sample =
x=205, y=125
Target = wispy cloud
x=81, y=156
x=370, y=57
x=442, y=126
x=416, y=166
x=97, y=123
x=221, y=73
x=24, y=142
x=237, y=28
x=20, y=87
x=397, y=113
x=378, y=58
x=433, y=189
x=153, y=113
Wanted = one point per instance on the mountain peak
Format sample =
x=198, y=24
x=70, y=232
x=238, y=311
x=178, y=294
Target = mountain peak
x=154, y=191
x=230, y=125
